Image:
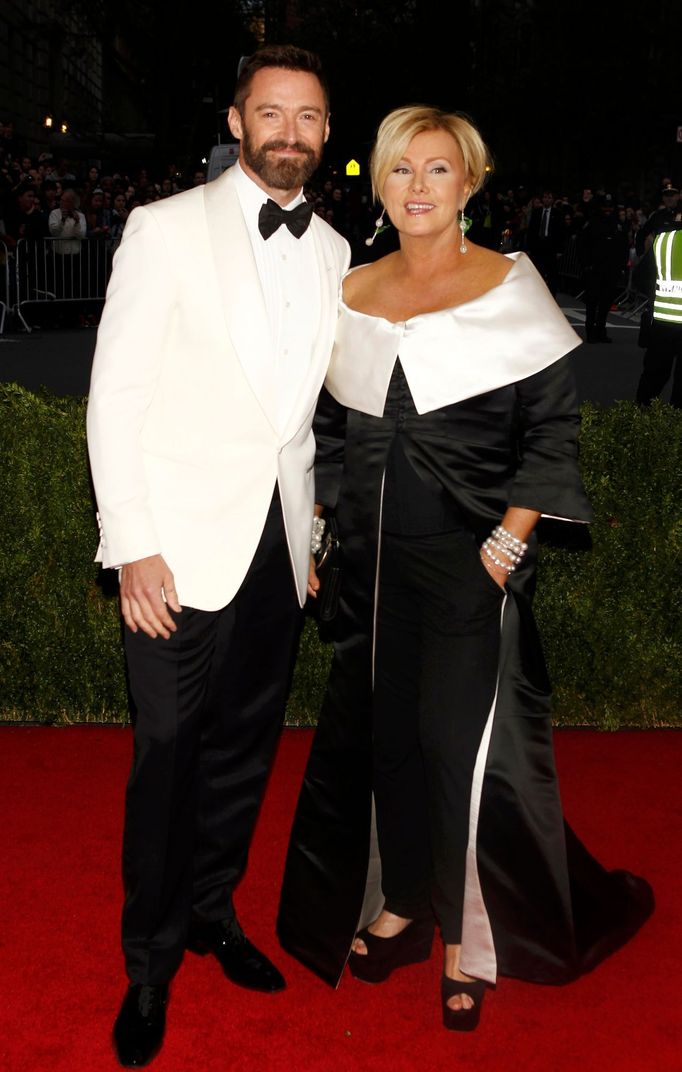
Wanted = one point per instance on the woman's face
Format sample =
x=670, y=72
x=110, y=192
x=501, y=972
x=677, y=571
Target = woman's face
x=428, y=186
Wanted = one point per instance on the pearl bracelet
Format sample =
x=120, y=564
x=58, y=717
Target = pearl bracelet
x=500, y=549
x=319, y=525
x=508, y=567
x=502, y=542
x=507, y=540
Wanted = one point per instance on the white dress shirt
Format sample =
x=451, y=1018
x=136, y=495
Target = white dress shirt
x=545, y=223
x=289, y=275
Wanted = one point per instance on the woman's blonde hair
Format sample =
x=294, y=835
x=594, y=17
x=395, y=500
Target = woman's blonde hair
x=401, y=125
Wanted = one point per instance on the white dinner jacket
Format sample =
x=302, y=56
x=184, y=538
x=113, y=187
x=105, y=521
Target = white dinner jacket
x=184, y=453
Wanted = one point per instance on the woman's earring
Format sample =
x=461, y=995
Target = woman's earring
x=464, y=224
x=378, y=228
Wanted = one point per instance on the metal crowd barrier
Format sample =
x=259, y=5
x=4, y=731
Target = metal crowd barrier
x=631, y=301
x=51, y=270
x=4, y=284
x=569, y=262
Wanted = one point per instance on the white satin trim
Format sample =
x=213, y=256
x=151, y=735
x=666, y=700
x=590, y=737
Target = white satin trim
x=510, y=332
x=478, y=957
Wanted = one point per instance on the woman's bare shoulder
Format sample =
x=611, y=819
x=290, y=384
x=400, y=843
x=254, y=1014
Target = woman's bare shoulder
x=491, y=266
x=361, y=282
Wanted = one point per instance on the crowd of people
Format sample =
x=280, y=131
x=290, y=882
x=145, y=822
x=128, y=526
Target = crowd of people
x=31, y=191
x=507, y=220
x=593, y=242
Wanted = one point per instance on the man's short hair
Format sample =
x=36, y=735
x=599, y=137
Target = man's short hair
x=288, y=57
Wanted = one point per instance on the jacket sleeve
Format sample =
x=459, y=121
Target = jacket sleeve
x=126, y=367
x=329, y=427
x=548, y=478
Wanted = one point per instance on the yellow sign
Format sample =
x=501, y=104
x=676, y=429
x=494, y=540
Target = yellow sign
x=352, y=168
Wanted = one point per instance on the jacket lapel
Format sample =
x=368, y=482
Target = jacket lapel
x=242, y=297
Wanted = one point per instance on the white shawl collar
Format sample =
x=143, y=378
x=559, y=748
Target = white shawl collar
x=509, y=333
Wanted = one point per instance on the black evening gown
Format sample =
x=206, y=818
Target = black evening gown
x=537, y=905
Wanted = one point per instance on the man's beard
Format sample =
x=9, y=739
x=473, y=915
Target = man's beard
x=284, y=174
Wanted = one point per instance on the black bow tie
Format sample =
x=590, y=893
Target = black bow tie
x=271, y=216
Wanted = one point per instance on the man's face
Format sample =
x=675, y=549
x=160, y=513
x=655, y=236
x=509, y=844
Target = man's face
x=282, y=130
x=26, y=200
x=67, y=201
x=547, y=200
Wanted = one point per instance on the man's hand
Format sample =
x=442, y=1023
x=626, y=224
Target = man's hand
x=144, y=584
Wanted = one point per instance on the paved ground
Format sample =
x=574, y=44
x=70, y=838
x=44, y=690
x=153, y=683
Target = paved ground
x=60, y=359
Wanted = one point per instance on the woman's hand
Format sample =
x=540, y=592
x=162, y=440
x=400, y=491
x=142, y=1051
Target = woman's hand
x=313, y=581
x=518, y=522
x=496, y=572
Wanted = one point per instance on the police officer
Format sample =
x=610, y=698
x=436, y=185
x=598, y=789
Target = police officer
x=660, y=219
x=665, y=336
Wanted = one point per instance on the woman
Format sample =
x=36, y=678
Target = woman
x=97, y=217
x=448, y=427
x=119, y=215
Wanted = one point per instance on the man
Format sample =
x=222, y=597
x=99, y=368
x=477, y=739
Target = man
x=660, y=220
x=212, y=349
x=545, y=239
x=25, y=220
x=603, y=253
x=67, y=224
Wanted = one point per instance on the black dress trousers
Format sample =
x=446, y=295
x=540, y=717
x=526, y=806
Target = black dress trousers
x=664, y=352
x=208, y=705
x=437, y=651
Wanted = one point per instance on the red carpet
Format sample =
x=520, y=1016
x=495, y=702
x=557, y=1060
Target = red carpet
x=61, y=976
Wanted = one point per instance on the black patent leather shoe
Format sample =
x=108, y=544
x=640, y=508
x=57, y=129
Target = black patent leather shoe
x=242, y=963
x=139, y=1027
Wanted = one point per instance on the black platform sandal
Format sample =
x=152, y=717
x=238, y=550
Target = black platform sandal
x=411, y=946
x=461, y=1019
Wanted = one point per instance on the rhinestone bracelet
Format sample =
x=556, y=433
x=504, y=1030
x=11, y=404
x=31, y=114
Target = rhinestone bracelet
x=319, y=525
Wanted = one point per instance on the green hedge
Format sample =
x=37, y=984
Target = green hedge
x=609, y=615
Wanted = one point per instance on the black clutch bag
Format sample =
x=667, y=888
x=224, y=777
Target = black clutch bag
x=328, y=569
